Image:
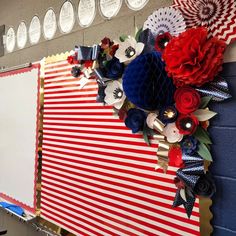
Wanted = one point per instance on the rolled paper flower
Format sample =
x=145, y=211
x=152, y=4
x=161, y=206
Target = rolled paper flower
x=187, y=124
x=75, y=71
x=187, y=100
x=205, y=186
x=113, y=69
x=70, y=59
x=168, y=114
x=135, y=120
x=162, y=40
x=154, y=123
x=172, y=133
x=189, y=144
x=175, y=156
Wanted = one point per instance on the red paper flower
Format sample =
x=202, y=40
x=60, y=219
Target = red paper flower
x=175, y=156
x=162, y=40
x=187, y=124
x=187, y=100
x=192, y=58
x=72, y=60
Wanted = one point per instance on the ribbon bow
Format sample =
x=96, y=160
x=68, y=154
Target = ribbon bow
x=87, y=53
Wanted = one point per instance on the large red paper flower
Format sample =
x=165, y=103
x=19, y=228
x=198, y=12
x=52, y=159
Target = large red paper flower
x=192, y=58
x=187, y=100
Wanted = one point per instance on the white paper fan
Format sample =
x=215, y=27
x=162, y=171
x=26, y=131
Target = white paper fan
x=165, y=19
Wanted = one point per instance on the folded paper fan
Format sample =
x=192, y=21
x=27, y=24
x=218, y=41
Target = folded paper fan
x=218, y=16
x=165, y=19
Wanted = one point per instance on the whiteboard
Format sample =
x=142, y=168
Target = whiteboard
x=18, y=122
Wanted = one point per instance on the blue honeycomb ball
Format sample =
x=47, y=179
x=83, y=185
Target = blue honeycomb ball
x=146, y=83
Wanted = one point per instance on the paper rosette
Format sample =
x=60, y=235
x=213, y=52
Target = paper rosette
x=218, y=16
x=165, y=19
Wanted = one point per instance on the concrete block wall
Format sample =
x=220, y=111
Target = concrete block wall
x=224, y=127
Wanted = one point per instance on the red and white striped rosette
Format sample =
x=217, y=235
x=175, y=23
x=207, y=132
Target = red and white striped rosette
x=218, y=16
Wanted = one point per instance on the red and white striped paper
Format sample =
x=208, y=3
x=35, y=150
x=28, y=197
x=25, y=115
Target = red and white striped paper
x=97, y=177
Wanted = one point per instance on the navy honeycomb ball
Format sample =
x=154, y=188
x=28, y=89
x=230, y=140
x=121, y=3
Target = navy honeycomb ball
x=146, y=83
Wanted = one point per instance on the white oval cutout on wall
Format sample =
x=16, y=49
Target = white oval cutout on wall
x=10, y=40
x=136, y=4
x=66, y=17
x=109, y=8
x=49, y=24
x=86, y=12
x=34, y=30
x=21, y=35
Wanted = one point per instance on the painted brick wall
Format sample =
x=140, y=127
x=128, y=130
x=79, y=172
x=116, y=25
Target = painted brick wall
x=223, y=131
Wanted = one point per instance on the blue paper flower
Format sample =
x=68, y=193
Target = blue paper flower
x=113, y=69
x=135, y=120
x=189, y=145
x=75, y=71
x=168, y=114
x=146, y=83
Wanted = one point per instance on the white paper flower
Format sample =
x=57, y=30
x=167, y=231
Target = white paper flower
x=172, y=133
x=114, y=94
x=129, y=50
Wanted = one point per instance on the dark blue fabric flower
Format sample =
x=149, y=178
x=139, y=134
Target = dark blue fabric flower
x=135, y=120
x=189, y=145
x=75, y=71
x=205, y=186
x=113, y=69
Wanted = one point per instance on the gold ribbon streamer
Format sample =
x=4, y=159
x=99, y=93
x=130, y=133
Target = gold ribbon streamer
x=163, y=155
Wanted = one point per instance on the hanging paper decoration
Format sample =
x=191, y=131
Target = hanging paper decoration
x=164, y=20
x=218, y=16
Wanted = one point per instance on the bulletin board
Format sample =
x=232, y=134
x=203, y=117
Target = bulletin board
x=97, y=177
x=19, y=96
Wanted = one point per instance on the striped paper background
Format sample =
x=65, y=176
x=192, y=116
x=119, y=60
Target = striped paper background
x=97, y=177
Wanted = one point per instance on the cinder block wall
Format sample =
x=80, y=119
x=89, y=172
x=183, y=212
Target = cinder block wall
x=224, y=128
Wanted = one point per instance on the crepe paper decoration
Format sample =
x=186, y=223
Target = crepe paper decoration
x=204, y=115
x=202, y=135
x=218, y=16
x=204, y=152
x=205, y=101
x=165, y=19
x=146, y=83
x=217, y=89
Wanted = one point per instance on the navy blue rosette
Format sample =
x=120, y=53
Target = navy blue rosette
x=196, y=182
